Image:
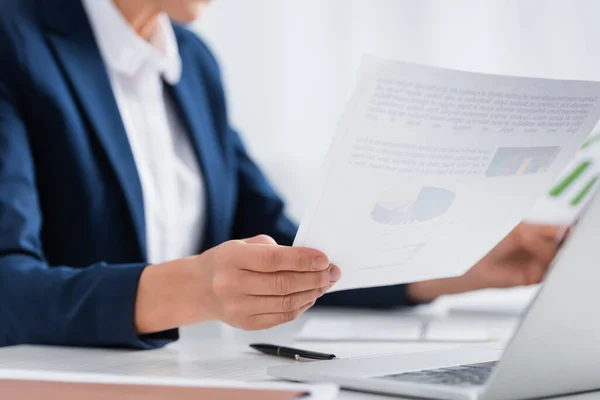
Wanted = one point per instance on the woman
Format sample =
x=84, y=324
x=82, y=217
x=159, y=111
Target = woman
x=128, y=207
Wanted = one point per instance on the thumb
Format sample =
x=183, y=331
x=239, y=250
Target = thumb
x=260, y=239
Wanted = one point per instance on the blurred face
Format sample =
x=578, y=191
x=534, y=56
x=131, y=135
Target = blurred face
x=182, y=11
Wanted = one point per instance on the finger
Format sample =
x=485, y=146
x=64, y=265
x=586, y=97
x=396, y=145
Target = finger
x=548, y=232
x=260, y=239
x=540, y=248
x=282, y=258
x=280, y=304
x=523, y=275
x=545, y=253
x=266, y=321
x=518, y=277
x=286, y=282
x=535, y=273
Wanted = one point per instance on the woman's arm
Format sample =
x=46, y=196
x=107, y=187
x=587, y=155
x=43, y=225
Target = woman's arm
x=251, y=284
x=59, y=304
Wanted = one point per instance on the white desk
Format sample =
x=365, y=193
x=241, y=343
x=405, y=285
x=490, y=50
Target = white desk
x=204, y=351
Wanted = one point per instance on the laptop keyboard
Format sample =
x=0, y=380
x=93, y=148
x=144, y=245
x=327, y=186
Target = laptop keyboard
x=462, y=375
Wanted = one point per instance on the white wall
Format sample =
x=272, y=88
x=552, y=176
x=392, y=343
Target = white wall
x=289, y=64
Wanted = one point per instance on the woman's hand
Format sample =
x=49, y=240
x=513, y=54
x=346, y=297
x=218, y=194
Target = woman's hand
x=250, y=284
x=522, y=258
x=256, y=284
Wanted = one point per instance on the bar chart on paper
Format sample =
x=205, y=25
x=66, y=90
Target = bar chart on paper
x=511, y=161
x=570, y=193
x=574, y=178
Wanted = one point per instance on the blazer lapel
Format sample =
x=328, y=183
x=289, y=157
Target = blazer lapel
x=190, y=97
x=71, y=37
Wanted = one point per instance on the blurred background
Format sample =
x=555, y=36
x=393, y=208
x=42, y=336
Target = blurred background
x=289, y=65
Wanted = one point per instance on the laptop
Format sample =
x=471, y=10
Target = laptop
x=554, y=351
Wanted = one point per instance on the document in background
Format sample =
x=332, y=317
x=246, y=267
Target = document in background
x=395, y=328
x=36, y=385
x=185, y=362
x=510, y=302
x=362, y=328
x=431, y=168
x=457, y=330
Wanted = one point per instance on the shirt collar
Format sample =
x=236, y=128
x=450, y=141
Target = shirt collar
x=124, y=51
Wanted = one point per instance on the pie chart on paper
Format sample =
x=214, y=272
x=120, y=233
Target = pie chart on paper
x=411, y=205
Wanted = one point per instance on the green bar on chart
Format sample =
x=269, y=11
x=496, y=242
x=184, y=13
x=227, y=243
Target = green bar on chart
x=591, y=140
x=581, y=195
x=572, y=177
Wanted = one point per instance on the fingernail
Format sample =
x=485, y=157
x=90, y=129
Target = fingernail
x=320, y=263
x=334, y=274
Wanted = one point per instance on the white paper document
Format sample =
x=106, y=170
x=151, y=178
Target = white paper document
x=406, y=329
x=457, y=330
x=185, y=362
x=430, y=168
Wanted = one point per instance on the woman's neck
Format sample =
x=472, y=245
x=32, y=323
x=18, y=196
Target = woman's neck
x=142, y=15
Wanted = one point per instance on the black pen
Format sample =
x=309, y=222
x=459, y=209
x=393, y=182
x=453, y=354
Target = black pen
x=288, y=352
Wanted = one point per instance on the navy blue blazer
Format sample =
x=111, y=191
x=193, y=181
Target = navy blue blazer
x=72, y=230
